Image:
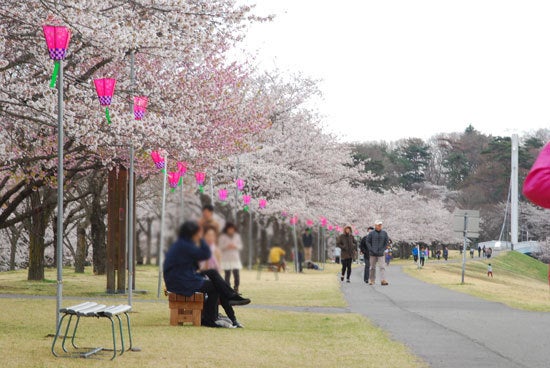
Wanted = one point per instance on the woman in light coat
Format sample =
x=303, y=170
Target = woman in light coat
x=230, y=245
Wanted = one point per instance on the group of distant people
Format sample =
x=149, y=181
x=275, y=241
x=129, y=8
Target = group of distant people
x=376, y=250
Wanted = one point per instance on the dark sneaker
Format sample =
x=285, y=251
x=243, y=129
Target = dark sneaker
x=342, y=278
x=348, y=281
x=239, y=300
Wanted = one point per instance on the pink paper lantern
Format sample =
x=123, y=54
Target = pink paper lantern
x=140, y=106
x=324, y=222
x=240, y=184
x=293, y=220
x=57, y=40
x=222, y=195
x=182, y=168
x=309, y=223
x=173, y=179
x=158, y=159
x=246, y=201
x=284, y=214
x=105, y=88
x=330, y=227
x=200, y=177
x=262, y=203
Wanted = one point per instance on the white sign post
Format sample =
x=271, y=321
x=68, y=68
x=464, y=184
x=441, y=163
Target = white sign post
x=467, y=223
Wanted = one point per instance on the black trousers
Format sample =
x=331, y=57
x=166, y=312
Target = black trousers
x=346, y=267
x=422, y=261
x=236, y=276
x=217, y=289
x=367, y=268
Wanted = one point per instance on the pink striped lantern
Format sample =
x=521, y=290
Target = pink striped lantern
x=222, y=195
x=200, y=177
x=324, y=222
x=309, y=223
x=159, y=161
x=262, y=203
x=173, y=179
x=57, y=40
x=105, y=88
x=182, y=169
x=240, y=184
x=140, y=106
x=246, y=201
x=293, y=220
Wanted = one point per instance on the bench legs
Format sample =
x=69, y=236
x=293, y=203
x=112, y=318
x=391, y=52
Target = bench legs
x=91, y=351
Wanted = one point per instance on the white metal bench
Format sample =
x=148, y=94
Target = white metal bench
x=91, y=309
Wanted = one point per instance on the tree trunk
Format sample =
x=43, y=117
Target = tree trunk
x=14, y=239
x=97, y=226
x=37, y=233
x=80, y=258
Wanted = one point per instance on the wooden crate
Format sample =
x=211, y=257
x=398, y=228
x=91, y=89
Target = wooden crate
x=185, y=309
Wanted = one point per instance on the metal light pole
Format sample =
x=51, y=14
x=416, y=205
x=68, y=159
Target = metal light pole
x=57, y=40
x=296, y=256
x=464, y=247
x=250, y=246
x=161, y=243
x=514, y=197
x=59, y=245
x=130, y=237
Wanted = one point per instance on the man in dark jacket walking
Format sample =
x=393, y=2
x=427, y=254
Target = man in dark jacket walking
x=377, y=241
x=348, y=245
x=365, y=251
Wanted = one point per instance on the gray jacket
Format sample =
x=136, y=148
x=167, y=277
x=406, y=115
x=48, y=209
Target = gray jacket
x=377, y=241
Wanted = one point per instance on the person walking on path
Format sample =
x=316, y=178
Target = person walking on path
x=422, y=256
x=307, y=242
x=230, y=244
x=472, y=252
x=365, y=252
x=479, y=251
x=377, y=241
x=445, y=253
x=337, y=252
x=387, y=255
x=348, y=245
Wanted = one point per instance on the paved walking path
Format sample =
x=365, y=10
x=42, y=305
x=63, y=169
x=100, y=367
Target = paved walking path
x=449, y=329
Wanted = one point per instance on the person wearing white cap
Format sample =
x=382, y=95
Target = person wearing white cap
x=377, y=241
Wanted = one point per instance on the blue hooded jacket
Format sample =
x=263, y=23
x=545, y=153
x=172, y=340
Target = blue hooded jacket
x=181, y=265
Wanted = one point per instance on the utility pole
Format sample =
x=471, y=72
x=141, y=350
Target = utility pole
x=465, y=234
x=514, y=194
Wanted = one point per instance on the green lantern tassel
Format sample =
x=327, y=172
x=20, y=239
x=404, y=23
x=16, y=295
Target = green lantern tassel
x=55, y=73
x=245, y=208
x=108, y=115
x=163, y=171
x=173, y=190
x=201, y=189
x=181, y=181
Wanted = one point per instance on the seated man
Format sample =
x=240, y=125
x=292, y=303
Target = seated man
x=276, y=258
x=181, y=276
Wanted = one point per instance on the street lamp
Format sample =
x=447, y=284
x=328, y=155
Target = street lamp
x=57, y=40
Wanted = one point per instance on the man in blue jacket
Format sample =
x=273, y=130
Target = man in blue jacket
x=181, y=276
x=377, y=241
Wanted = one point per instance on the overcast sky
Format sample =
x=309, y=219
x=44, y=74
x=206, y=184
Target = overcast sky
x=394, y=69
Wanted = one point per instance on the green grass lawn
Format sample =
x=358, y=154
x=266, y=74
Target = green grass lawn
x=519, y=280
x=271, y=338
